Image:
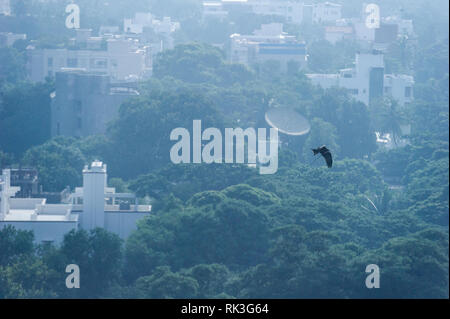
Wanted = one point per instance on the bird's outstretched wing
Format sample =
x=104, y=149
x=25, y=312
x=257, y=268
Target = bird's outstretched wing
x=328, y=158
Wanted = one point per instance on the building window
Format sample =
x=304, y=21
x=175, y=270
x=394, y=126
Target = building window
x=50, y=62
x=353, y=91
x=408, y=90
x=79, y=123
x=72, y=63
x=58, y=131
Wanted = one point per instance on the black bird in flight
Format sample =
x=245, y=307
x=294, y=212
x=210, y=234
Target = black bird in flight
x=325, y=152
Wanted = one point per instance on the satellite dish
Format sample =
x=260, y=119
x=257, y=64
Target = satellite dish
x=287, y=121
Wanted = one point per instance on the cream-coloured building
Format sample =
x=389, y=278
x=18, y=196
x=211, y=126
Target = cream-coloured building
x=119, y=57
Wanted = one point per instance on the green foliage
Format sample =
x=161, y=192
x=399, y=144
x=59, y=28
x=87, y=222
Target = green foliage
x=322, y=133
x=224, y=231
x=166, y=284
x=405, y=263
x=14, y=243
x=14, y=70
x=27, y=278
x=254, y=196
x=324, y=57
x=387, y=117
x=5, y=159
x=58, y=162
x=98, y=253
x=24, y=116
x=199, y=235
x=199, y=63
x=140, y=136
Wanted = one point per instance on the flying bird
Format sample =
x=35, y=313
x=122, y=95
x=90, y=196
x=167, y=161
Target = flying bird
x=325, y=152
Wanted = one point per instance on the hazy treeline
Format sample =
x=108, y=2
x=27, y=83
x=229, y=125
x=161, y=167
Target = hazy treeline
x=224, y=231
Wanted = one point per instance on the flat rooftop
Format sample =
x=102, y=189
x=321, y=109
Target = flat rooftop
x=27, y=215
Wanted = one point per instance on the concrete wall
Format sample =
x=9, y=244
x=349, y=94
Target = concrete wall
x=84, y=104
x=44, y=231
x=25, y=203
x=94, y=183
x=123, y=223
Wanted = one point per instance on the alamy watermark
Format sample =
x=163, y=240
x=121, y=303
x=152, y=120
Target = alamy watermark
x=373, y=17
x=73, y=280
x=73, y=19
x=373, y=279
x=261, y=149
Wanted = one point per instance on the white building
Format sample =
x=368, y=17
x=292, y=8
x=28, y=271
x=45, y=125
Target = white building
x=400, y=87
x=214, y=10
x=136, y=25
x=5, y=7
x=367, y=81
x=100, y=206
x=159, y=33
x=93, y=205
x=388, y=31
x=267, y=43
x=144, y=20
x=335, y=34
x=116, y=56
x=362, y=32
x=326, y=12
x=291, y=11
x=7, y=39
x=294, y=12
x=48, y=222
x=405, y=26
x=108, y=30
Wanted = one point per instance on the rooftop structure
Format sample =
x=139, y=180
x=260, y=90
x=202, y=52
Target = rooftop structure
x=153, y=32
x=5, y=7
x=119, y=57
x=267, y=43
x=27, y=180
x=93, y=205
x=214, y=9
x=48, y=222
x=326, y=12
x=7, y=39
x=367, y=81
x=379, y=38
x=405, y=27
x=144, y=20
x=292, y=11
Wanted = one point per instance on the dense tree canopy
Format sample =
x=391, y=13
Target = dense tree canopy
x=224, y=230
